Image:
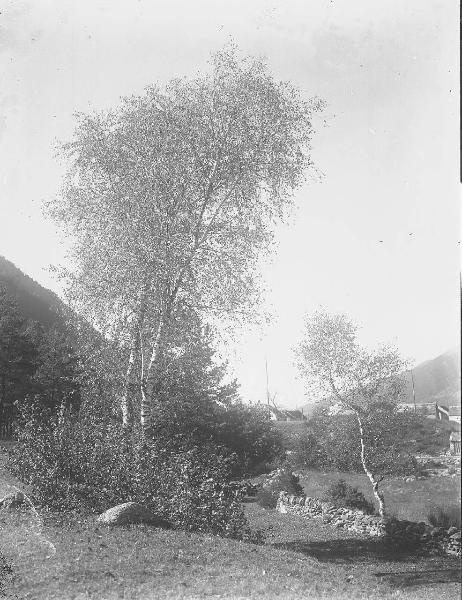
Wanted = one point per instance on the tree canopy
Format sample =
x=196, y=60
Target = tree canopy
x=171, y=198
x=365, y=383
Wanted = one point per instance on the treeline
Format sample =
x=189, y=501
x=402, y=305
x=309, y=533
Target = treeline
x=393, y=439
x=80, y=455
x=34, y=362
x=170, y=200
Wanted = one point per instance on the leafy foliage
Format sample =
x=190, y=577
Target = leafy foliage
x=361, y=382
x=35, y=361
x=283, y=480
x=431, y=436
x=58, y=370
x=331, y=361
x=333, y=442
x=195, y=406
x=18, y=353
x=342, y=494
x=242, y=430
x=171, y=198
x=266, y=498
x=91, y=463
x=6, y=574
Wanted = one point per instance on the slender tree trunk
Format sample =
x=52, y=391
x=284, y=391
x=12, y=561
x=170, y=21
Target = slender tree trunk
x=146, y=389
x=375, y=484
x=127, y=409
x=125, y=400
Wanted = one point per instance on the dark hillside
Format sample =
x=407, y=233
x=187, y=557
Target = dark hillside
x=34, y=301
x=437, y=380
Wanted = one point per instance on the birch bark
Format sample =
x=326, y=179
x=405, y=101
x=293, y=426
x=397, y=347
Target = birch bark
x=375, y=484
x=124, y=402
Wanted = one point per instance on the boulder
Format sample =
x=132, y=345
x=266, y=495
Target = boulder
x=13, y=500
x=455, y=536
x=131, y=513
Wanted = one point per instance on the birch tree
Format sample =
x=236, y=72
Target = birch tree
x=170, y=198
x=356, y=380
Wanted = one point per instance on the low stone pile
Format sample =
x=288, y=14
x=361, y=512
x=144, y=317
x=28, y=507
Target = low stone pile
x=438, y=466
x=422, y=535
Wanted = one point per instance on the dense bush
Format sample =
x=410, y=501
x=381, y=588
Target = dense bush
x=282, y=480
x=308, y=453
x=267, y=498
x=445, y=517
x=6, y=575
x=242, y=430
x=196, y=404
x=91, y=464
x=35, y=361
x=331, y=442
x=431, y=436
x=342, y=494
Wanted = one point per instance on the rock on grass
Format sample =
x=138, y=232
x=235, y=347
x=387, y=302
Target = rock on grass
x=131, y=513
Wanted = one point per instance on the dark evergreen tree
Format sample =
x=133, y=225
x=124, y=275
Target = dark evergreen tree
x=198, y=404
x=57, y=373
x=18, y=354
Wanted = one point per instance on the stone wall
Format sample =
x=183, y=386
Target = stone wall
x=436, y=539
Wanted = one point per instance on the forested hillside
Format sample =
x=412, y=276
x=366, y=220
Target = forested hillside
x=34, y=301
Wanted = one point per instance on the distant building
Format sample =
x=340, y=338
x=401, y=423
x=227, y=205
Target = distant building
x=454, y=443
x=279, y=414
x=447, y=413
x=427, y=409
x=454, y=413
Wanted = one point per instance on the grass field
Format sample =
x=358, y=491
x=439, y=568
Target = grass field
x=60, y=557
x=300, y=560
x=411, y=500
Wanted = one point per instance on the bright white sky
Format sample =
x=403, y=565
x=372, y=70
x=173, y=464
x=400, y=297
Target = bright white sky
x=377, y=239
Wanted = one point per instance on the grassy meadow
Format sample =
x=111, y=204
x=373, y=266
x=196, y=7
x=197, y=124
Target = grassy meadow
x=71, y=557
x=47, y=556
x=411, y=500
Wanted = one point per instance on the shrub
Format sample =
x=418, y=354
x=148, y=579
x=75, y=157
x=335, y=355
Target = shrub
x=266, y=498
x=6, y=575
x=91, y=463
x=335, y=442
x=308, y=453
x=445, y=517
x=244, y=431
x=342, y=494
x=195, y=403
x=283, y=480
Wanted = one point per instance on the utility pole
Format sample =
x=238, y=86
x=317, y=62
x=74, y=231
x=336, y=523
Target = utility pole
x=413, y=391
x=267, y=382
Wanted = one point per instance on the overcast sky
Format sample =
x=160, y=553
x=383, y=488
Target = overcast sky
x=377, y=238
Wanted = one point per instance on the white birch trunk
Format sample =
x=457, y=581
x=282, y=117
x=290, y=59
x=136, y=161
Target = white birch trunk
x=375, y=484
x=145, y=397
x=124, y=402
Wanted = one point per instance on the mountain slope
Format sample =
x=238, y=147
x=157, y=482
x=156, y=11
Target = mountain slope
x=436, y=380
x=34, y=301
